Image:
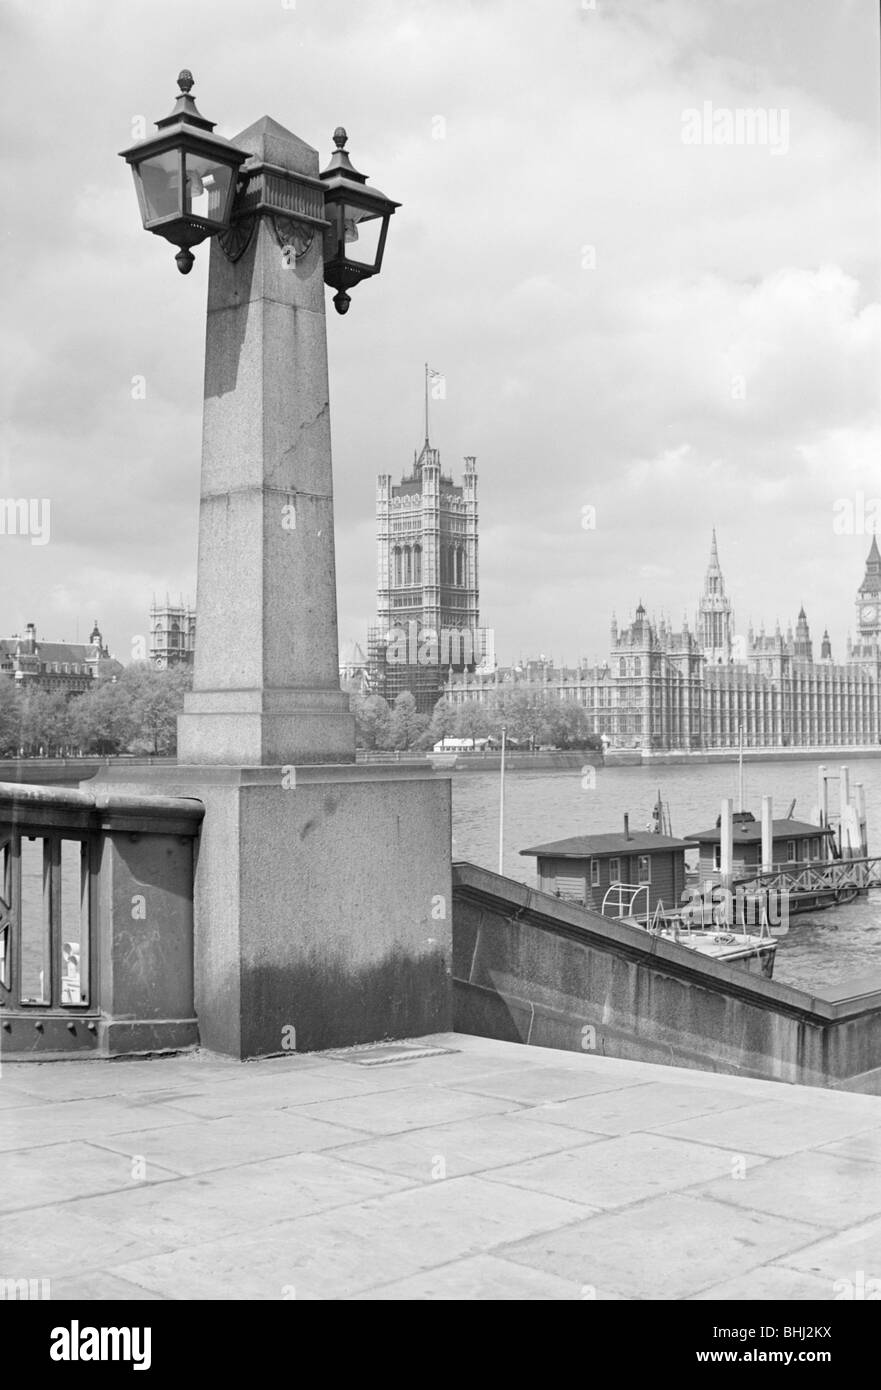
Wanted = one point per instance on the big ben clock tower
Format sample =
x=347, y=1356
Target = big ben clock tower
x=868, y=645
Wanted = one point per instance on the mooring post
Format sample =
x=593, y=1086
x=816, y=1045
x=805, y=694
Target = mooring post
x=767, y=834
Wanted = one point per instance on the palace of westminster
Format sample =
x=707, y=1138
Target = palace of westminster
x=695, y=688
x=703, y=688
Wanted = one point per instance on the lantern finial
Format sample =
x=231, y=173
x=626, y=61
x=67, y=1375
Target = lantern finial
x=185, y=80
x=340, y=137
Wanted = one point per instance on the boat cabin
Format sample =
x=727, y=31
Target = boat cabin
x=795, y=842
x=583, y=868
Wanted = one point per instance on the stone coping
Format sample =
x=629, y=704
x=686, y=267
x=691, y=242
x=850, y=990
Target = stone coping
x=862, y=997
x=40, y=807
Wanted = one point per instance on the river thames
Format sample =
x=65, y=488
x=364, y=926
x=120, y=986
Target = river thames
x=821, y=949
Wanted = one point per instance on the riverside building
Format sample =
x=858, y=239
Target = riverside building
x=700, y=687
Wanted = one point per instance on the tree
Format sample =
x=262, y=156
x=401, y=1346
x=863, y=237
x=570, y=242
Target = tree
x=34, y=715
x=371, y=721
x=473, y=721
x=406, y=725
x=58, y=727
x=102, y=718
x=522, y=710
x=10, y=718
x=443, y=722
x=156, y=699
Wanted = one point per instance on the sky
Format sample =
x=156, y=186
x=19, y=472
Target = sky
x=646, y=326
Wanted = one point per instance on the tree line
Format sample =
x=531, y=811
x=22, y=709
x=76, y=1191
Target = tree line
x=533, y=717
x=135, y=713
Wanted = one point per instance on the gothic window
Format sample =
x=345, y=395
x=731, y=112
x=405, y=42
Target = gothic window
x=622, y=667
x=460, y=566
x=397, y=566
x=408, y=565
x=417, y=564
x=637, y=666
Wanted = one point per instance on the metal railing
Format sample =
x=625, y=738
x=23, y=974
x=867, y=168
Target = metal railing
x=57, y=879
x=836, y=877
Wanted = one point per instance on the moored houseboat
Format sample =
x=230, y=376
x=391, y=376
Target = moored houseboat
x=640, y=879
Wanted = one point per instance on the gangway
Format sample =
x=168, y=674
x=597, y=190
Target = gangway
x=810, y=886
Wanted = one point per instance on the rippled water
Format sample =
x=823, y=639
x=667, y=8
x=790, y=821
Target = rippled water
x=823, y=948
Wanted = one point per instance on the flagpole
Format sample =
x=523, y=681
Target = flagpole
x=502, y=803
x=426, y=403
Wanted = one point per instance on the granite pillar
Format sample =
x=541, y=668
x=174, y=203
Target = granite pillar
x=322, y=892
x=266, y=684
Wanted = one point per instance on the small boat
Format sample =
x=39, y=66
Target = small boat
x=703, y=929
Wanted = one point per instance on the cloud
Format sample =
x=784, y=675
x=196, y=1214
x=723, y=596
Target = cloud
x=714, y=359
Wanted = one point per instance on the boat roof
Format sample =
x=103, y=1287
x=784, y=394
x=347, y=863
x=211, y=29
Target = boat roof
x=596, y=846
x=747, y=832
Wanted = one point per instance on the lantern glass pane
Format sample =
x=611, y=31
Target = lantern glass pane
x=358, y=230
x=160, y=183
x=207, y=186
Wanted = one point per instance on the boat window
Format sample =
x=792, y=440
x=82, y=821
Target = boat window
x=790, y=850
x=644, y=873
x=815, y=849
x=614, y=870
x=594, y=873
x=717, y=856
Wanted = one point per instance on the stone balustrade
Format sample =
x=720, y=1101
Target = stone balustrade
x=96, y=922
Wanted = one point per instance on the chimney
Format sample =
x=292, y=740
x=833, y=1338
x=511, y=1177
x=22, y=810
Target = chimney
x=31, y=637
x=626, y=826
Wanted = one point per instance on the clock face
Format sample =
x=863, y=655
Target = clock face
x=869, y=613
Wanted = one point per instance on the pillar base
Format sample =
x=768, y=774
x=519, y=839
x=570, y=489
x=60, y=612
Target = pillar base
x=266, y=728
x=322, y=903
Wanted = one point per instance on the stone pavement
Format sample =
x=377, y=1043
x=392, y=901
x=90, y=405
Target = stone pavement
x=489, y=1171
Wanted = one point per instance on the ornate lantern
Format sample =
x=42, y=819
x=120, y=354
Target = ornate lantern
x=185, y=177
x=359, y=216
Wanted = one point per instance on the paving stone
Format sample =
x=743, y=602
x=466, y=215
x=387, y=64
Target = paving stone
x=199, y=1147
x=774, y=1130
x=531, y=1086
x=461, y=1147
x=821, y=1188
x=617, y=1172
x=244, y=1199
x=851, y=1257
x=59, y=1121
x=416, y=1107
x=67, y=1238
x=79, y=1080
x=100, y=1286
x=58, y=1172
x=620, y=1112
x=339, y=1253
x=865, y=1146
x=266, y=1095
x=767, y=1284
x=480, y=1277
x=667, y=1248
x=12, y=1098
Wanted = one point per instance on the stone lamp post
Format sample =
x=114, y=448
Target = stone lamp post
x=322, y=893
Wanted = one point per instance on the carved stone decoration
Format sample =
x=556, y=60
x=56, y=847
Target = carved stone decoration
x=236, y=241
x=293, y=237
